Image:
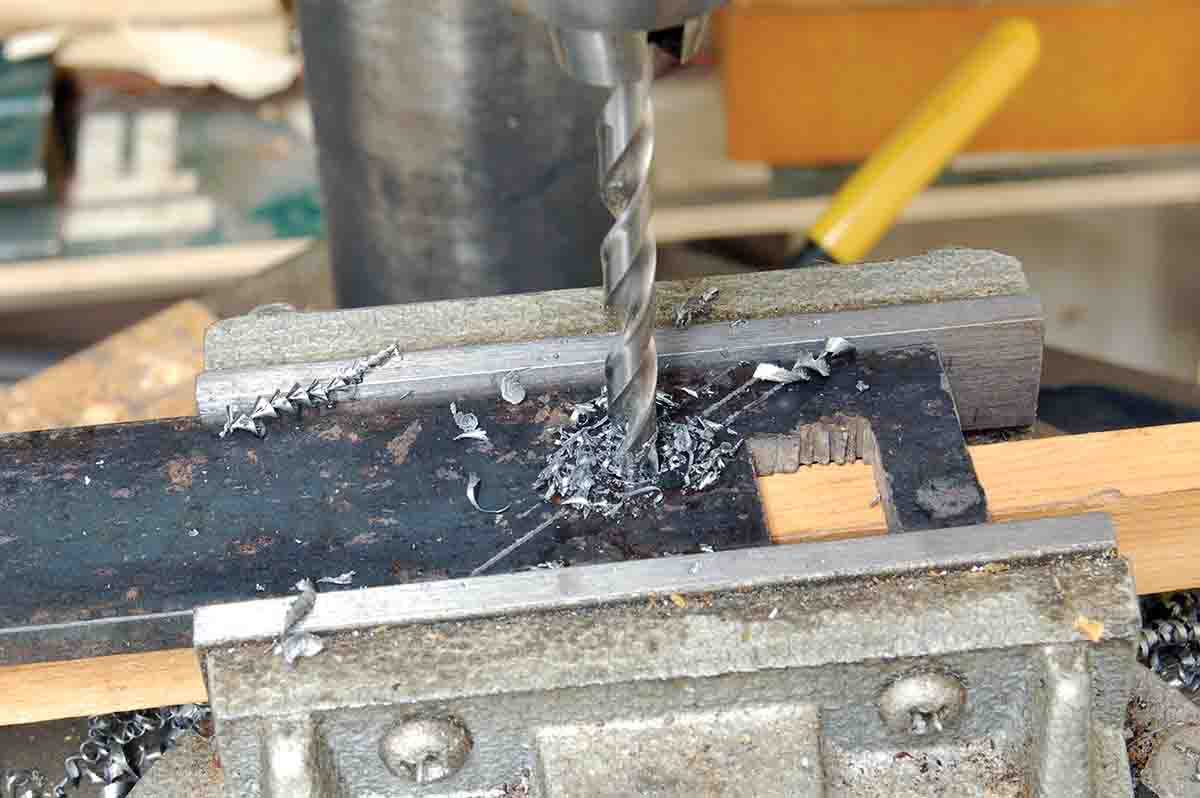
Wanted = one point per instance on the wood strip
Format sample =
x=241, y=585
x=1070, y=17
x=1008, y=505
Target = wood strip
x=686, y=222
x=52, y=690
x=1147, y=478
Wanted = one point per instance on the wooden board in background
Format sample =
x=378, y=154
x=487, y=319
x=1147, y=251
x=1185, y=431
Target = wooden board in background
x=827, y=85
x=144, y=372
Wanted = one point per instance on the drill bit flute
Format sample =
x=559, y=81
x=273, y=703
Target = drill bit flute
x=629, y=257
x=607, y=43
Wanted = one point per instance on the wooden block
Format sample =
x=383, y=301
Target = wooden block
x=827, y=85
x=1149, y=479
x=146, y=371
x=52, y=690
x=66, y=282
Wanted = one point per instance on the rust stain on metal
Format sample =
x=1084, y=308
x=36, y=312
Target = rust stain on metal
x=363, y=539
x=252, y=456
x=402, y=444
x=251, y=547
x=133, y=594
x=332, y=433
x=181, y=472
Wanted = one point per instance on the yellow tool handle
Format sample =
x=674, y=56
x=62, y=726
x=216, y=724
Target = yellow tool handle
x=865, y=207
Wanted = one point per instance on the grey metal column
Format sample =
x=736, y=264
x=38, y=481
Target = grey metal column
x=457, y=159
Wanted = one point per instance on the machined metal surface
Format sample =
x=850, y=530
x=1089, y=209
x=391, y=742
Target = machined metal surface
x=446, y=131
x=991, y=350
x=943, y=276
x=508, y=594
x=601, y=680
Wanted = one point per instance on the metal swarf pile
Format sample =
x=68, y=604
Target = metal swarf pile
x=116, y=752
x=585, y=469
x=1169, y=643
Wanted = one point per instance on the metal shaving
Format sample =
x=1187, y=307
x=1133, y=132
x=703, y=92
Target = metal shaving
x=835, y=347
x=817, y=364
x=1169, y=642
x=319, y=393
x=293, y=644
x=695, y=307
x=799, y=372
x=475, y=434
x=769, y=372
x=738, y=323
x=467, y=422
x=340, y=579
x=304, y=644
x=472, y=488
x=301, y=606
x=511, y=389
x=861, y=387
x=117, y=751
x=518, y=543
x=586, y=469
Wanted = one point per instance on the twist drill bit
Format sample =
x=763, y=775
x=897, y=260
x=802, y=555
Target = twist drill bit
x=629, y=259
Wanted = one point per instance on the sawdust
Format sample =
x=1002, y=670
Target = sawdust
x=402, y=444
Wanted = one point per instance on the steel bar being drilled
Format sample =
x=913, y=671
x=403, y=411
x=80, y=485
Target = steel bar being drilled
x=629, y=259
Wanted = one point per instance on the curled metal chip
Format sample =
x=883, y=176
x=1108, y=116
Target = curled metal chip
x=695, y=307
x=511, y=389
x=473, y=488
x=475, y=434
x=305, y=644
x=301, y=606
x=836, y=346
x=467, y=422
x=340, y=579
x=807, y=361
x=769, y=372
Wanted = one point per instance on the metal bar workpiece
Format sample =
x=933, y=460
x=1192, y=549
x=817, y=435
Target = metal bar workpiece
x=590, y=585
x=991, y=349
